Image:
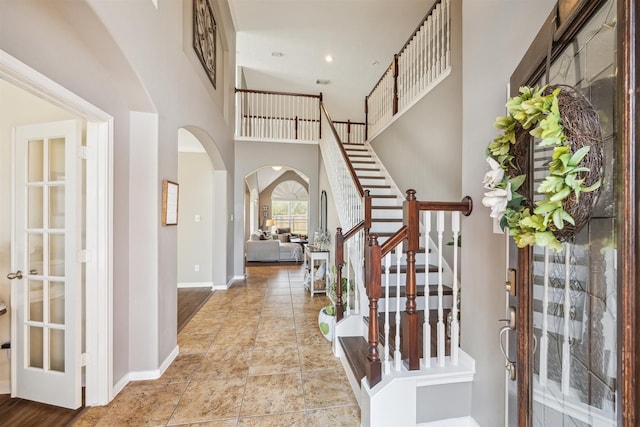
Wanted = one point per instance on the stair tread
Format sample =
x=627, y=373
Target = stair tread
x=386, y=207
x=366, y=169
x=386, y=219
x=384, y=196
x=371, y=177
x=356, y=350
x=376, y=186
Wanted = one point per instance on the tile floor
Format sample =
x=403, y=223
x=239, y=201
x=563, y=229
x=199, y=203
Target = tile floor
x=252, y=356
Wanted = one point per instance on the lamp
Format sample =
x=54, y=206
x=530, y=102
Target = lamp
x=270, y=223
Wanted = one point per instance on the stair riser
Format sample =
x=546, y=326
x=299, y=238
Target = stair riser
x=387, y=201
x=386, y=213
x=385, y=227
x=365, y=181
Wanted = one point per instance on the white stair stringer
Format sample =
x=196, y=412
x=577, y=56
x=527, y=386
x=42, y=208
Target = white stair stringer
x=393, y=401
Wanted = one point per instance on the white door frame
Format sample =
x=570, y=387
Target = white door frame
x=99, y=222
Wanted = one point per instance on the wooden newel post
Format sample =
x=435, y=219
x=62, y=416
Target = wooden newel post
x=373, y=282
x=368, y=215
x=339, y=264
x=410, y=322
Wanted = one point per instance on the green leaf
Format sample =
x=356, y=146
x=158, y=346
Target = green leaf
x=324, y=328
x=579, y=155
x=546, y=238
x=561, y=195
x=546, y=207
x=567, y=217
x=557, y=219
x=595, y=186
x=517, y=182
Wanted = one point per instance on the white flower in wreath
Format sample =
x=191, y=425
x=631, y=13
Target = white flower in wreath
x=494, y=176
x=497, y=200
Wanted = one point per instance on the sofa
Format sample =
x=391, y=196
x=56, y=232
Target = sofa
x=274, y=248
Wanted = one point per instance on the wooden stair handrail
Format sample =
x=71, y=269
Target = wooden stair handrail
x=354, y=176
x=271, y=92
x=394, y=240
x=465, y=207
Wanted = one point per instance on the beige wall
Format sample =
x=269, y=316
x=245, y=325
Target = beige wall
x=195, y=237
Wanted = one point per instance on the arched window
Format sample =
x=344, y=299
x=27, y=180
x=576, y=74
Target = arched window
x=290, y=207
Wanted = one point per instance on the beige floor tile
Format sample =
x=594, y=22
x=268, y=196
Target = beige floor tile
x=209, y=400
x=232, y=422
x=239, y=338
x=182, y=368
x=310, y=337
x=322, y=389
x=194, y=327
x=143, y=405
x=274, y=360
x=345, y=416
x=228, y=362
x=91, y=416
x=194, y=344
x=272, y=394
x=276, y=338
x=317, y=357
x=278, y=291
x=294, y=419
x=275, y=323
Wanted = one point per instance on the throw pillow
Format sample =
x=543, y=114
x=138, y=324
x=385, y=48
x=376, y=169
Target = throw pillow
x=284, y=238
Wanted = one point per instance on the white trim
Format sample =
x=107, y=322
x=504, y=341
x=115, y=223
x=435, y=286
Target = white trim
x=120, y=385
x=452, y=422
x=195, y=285
x=283, y=141
x=154, y=374
x=99, y=369
x=231, y=281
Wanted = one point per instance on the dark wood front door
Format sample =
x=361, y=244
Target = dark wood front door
x=577, y=310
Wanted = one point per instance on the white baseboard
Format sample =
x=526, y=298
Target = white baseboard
x=195, y=285
x=233, y=279
x=154, y=374
x=452, y=422
x=120, y=385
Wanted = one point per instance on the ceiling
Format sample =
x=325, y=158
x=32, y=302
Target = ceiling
x=361, y=35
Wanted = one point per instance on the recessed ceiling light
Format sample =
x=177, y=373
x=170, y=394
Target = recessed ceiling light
x=374, y=63
x=328, y=58
x=277, y=54
x=323, y=82
x=276, y=168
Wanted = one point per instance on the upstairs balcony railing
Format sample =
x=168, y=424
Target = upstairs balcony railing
x=277, y=116
x=351, y=132
x=423, y=61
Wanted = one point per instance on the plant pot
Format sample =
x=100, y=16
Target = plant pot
x=327, y=321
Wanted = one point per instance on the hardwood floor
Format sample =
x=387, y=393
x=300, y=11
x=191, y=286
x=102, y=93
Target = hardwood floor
x=20, y=412
x=23, y=413
x=189, y=302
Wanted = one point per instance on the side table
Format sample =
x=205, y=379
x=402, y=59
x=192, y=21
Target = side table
x=313, y=257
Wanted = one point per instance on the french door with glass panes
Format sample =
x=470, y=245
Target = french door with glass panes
x=46, y=287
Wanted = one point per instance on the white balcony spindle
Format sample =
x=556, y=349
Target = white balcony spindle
x=455, y=327
x=441, y=331
x=348, y=276
x=426, y=326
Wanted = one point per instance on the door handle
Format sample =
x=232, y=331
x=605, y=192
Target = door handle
x=16, y=275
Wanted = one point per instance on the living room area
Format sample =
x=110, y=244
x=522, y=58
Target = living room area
x=277, y=215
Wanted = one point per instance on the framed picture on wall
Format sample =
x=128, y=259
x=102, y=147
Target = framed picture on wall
x=204, y=37
x=169, y=202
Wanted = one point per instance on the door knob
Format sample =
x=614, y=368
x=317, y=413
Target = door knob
x=16, y=275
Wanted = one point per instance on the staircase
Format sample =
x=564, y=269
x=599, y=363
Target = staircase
x=392, y=397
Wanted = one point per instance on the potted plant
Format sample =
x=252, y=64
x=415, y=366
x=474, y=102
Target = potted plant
x=327, y=315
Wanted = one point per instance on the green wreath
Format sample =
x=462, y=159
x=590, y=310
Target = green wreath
x=540, y=114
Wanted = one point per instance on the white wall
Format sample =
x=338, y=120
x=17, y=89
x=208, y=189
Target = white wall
x=422, y=148
x=496, y=35
x=195, y=236
x=144, y=64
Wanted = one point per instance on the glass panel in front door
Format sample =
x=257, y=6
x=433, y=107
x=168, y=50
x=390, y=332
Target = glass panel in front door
x=574, y=291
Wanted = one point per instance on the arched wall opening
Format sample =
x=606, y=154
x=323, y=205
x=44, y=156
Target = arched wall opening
x=202, y=212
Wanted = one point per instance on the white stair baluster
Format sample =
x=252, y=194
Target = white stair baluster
x=397, y=355
x=455, y=326
x=387, y=268
x=348, y=302
x=441, y=333
x=426, y=326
